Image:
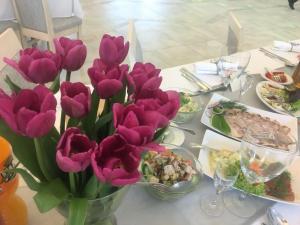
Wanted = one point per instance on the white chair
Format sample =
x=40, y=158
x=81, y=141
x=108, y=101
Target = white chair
x=135, y=53
x=9, y=24
x=36, y=22
x=235, y=34
x=9, y=47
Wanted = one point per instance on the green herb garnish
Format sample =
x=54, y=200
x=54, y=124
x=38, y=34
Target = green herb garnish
x=295, y=106
x=231, y=105
x=183, y=99
x=218, y=121
x=243, y=184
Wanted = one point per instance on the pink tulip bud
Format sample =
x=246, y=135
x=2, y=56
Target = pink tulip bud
x=73, y=53
x=116, y=162
x=30, y=112
x=75, y=99
x=36, y=66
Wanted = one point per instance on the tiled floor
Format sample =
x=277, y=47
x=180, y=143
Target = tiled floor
x=174, y=32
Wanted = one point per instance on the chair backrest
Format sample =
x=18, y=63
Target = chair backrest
x=9, y=47
x=135, y=51
x=234, y=37
x=33, y=14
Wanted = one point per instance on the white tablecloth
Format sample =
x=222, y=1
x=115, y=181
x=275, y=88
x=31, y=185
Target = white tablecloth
x=57, y=8
x=172, y=80
x=139, y=208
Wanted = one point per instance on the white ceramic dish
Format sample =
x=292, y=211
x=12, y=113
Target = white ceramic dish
x=258, y=92
x=286, y=120
x=174, y=136
x=289, y=79
x=218, y=142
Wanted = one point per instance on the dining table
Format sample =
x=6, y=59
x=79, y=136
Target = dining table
x=139, y=207
x=67, y=8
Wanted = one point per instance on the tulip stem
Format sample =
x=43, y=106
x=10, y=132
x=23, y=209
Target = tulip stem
x=62, y=122
x=39, y=156
x=72, y=181
x=68, y=76
x=83, y=179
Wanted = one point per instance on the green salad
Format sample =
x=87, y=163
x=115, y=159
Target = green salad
x=186, y=103
x=279, y=187
x=233, y=159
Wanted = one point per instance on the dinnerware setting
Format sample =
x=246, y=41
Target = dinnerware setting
x=189, y=107
x=277, y=76
x=203, y=141
x=171, y=174
x=217, y=145
x=278, y=98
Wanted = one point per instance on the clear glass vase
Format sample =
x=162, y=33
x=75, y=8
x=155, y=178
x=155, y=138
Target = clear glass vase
x=100, y=211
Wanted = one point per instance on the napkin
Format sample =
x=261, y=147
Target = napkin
x=206, y=68
x=213, y=68
x=211, y=72
x=286, y=46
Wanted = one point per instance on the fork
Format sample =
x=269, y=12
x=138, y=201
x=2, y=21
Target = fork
x=272, y=55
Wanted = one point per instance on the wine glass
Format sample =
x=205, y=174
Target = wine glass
x=242, y=84
x=265, y=154
x=225, y=176
x=232, y=68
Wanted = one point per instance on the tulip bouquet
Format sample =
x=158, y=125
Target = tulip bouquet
x=96, y=150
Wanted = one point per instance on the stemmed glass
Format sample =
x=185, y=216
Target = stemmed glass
x=232, y=69
x=244, y=83
x=264, y=156
x=225, y=176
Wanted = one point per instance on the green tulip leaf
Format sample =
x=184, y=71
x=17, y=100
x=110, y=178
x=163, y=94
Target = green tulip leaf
x=77, y=211
x=46, y=154
x=103, y=120
x=158, y=136
x=88, y=123
x=32, y=183
x=24, y=150
x=12, y=86
x=55, y=85
x=50, y=195
x=91, y=188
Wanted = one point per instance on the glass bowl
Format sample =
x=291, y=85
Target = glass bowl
x=187, y=111
x=164, y=192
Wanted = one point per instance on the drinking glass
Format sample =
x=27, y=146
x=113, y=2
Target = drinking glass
x=243, y=83
x=235, y=74
x=225, y=176
x=265, y=154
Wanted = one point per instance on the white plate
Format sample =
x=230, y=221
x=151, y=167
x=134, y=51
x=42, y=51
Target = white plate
x=218, y=142
x=174, y=136
x=286, y=120
x=258, y=92
x=289, y=79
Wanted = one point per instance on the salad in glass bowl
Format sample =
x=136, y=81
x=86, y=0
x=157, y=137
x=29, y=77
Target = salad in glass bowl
x=188, y=107
x=170, y=174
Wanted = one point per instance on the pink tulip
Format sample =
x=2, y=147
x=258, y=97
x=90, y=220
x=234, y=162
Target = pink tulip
x=75, y=99
x=143, y=79
x=73, y=53
x=166, y=103
x=36, y=66
x=135, y=124
x=107, y=81
x=112, y=50
x=138, y=126
x=74, y=151
x=116, y=162
x=30, y=112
